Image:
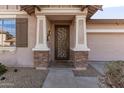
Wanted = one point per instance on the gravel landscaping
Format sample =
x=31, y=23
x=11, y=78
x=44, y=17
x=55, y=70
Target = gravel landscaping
x=23, y=78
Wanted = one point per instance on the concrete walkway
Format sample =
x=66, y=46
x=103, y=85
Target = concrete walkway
x=64, y=78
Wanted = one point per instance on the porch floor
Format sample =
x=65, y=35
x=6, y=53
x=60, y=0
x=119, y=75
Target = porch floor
x=64, y=78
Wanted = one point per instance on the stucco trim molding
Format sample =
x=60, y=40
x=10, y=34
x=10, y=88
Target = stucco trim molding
x=82, y=46
x=40, y=48
x=80, y=49
x=60, y=11
x=7, y=12
x=41, y=45
x=105, y=31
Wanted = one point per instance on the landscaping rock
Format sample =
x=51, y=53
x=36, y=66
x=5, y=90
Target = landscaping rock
x=24, y=78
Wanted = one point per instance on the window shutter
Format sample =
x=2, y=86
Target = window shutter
x=21, y=32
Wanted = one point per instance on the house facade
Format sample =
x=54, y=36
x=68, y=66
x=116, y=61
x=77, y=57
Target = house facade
x=46, y=34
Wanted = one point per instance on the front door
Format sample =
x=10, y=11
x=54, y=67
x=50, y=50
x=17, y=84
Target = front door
x=61, y=42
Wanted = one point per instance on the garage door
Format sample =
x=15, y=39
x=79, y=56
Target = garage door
x=106, y=46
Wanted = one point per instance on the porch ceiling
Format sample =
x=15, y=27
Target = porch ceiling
x=92, y=9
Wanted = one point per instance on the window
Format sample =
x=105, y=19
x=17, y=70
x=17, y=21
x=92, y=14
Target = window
x=13, y=33
x=7, y=32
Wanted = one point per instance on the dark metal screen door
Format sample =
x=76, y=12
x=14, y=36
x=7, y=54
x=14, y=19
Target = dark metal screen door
x=61, y=42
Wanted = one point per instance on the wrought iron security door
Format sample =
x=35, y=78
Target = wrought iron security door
x=61, y=42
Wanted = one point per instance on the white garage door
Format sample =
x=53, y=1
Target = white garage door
x=106, y=46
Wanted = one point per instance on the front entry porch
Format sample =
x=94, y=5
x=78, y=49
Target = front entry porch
x=60, y=44
x=59, y=38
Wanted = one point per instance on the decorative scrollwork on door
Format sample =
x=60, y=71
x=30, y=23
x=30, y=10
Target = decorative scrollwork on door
x=62, y=42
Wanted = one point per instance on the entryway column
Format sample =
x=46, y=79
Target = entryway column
x=41, y=50
x=80, y=51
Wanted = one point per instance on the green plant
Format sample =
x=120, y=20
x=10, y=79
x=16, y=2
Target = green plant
x=114, y=75
x=2, y=69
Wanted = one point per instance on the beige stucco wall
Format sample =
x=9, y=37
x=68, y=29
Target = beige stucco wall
x=106, y=45
x=22, y=57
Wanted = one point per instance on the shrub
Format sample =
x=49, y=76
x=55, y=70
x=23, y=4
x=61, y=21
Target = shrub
x=2, y=69
x=114, y=75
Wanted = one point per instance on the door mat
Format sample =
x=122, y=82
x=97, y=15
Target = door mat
x=90, y=72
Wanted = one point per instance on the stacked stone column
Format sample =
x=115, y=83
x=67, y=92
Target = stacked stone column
x=41, y=50
x=79, y=54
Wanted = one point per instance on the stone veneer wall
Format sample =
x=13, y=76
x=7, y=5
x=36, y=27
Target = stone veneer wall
x=79, y=58
x=41, y=59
